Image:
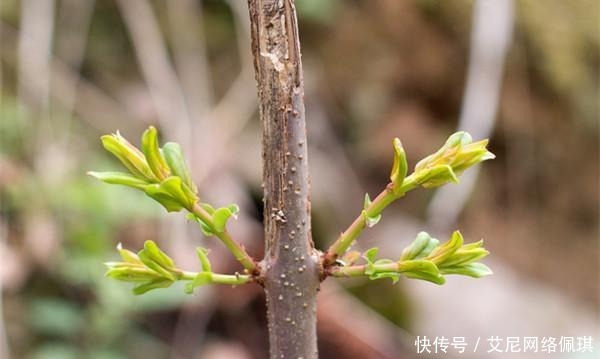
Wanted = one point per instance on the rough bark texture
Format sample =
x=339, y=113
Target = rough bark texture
x=291, y=264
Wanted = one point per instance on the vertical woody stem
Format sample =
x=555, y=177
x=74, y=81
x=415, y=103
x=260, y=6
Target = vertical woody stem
x=291, y=264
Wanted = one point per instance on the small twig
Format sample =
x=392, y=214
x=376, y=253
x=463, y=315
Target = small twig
x=359, y=270
x=384, y=199
x=234, y=247
x=216, y=278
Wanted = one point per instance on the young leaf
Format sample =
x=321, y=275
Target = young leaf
x=436, y=176
x=443, y=252
x=174, y=157
x=475, y=270
x=471, y=154
x=129, y=155
x=422, y=269
x=172, y=194
x=127, y=255
x=370, y=221
x=463, y=257
x=383, y=261
x=221, y=216
x=200, y=279
x=165, y=199
x=417, y=246
x=394, y=276
x=473, y=245
x=128, y=272
x=459, y=153
x=174, y=186
x=203, y=257
x=119, y=178
x=370, y=254
x=157, y=255
x=147, y=259
x=154, y=284
x=400, y=166
x=433, y=244
x=234, y=209
x=154, y=157
x=367, y=202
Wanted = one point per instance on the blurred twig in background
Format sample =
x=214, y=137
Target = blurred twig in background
x=490, y=40
x=152, y=55
x=4, y=350
x=93, y=106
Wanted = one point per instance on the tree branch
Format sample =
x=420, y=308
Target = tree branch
x=291, y=264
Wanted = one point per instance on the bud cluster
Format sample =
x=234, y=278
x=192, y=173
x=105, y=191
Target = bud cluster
x=160, y=172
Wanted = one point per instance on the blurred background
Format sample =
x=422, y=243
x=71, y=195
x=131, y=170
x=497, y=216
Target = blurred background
x=524, y=73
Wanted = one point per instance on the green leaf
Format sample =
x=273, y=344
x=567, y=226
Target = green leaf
x=367, y=202
x=119, y=178
x=155, y=266
x=436, y=176
x=157, y=255
x=203, y=257
x=234, y=209
x=154, y=157
x=383, y=261
x=422, y=269
x=370, y=254
x=130, y=273
x=459, y=153
x=421, y=242
x=221, y=216
x=443, y=252
x=200, y=279
x=370, y=221
x=127, y=255
x=155, y=192
x=400, y=165
x=174, y=157
x=433, y=244
x=177, y=190
x=172, y=194
x=462, y=257
x=154, y=284
x=459, y=138
x=394, y=276
x=473, y=245
x=475, y=270
x=129, y=155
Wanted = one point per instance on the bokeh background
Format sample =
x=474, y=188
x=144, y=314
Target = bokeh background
x=523, y=72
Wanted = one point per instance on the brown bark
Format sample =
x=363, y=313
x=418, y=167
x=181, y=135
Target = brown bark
x=291, y=264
